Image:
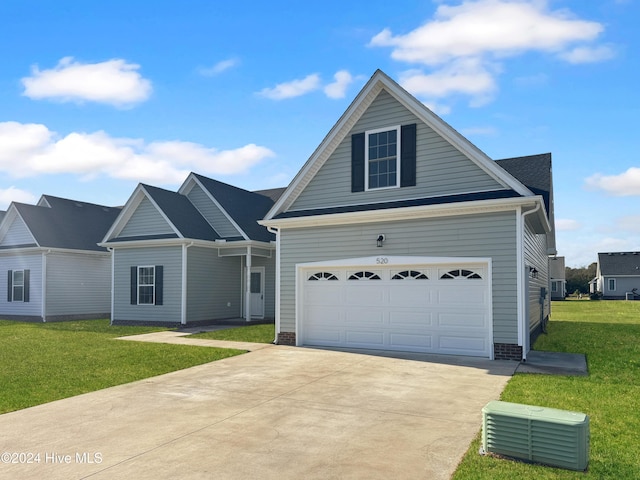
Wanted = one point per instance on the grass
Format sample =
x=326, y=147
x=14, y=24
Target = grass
x=263, y=333
x=42, y=362
x=608, y=332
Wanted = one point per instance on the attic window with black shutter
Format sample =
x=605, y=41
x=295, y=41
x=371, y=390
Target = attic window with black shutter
x=383, y=158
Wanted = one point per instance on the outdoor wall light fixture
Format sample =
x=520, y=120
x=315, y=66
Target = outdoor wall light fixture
x=380, y=240
x=533, y=272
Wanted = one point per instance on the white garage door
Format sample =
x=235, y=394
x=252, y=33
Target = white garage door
x=432, y=308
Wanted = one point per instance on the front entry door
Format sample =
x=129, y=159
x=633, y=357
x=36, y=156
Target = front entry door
x=257, y=292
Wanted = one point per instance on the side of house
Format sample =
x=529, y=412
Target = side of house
x=618, y=275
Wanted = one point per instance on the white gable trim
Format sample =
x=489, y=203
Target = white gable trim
x=9, y=219
x=188, y=185
x=361, y=103
x=129, y=209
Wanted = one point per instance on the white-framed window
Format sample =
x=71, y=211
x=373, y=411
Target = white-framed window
x=146, y=285
x=17, y=286
x=611, y=283
x=382, y=158
x=554, y=287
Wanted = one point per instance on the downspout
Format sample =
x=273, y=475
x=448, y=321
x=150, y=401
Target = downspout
x=247, y=292
x=276, y=232
x=113, y=274
x=183, y=308
x=524, y=324
x=43, y=306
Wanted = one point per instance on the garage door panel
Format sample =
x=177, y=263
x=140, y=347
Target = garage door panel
x=403, y=295
x=414, y=341
x=364, y=295
x=364, y=338
x=406, y=313
x=364, y=316
x=410, y=319
x=462, y=320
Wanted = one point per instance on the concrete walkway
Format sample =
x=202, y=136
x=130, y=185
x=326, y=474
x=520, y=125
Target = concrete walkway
x=183, y=338
x=275, y=413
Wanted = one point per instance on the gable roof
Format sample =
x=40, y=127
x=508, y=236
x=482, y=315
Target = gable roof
x=67, y=224
x=360, y=104
x=181, y=213
x=244, y=207
x=619, y=263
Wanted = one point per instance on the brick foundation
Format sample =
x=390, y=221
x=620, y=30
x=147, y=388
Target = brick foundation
x=286, y=338
x=507, y=351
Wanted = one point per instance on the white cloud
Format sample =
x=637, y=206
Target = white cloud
x=622, y=185
x=219, y=67
x=28, y=150
x=464, y=76
x=338, y=88
x=114, y=82
x=588, y=54
x=484, y=33
x=567, y=225
x=629, y=223
x=13, y=194
x=294, y=88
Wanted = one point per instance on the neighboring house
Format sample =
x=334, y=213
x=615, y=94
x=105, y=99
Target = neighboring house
x=51, y=267
x=400, y=234
x=558, y=282
x=193, y=256
x=617, y=276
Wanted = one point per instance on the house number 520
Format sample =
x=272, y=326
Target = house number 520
x=382, y=260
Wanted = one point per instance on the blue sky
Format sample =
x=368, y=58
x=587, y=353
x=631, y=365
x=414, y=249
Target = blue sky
x=98, y=96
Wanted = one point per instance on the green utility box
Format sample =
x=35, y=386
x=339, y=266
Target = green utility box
x=558, y=438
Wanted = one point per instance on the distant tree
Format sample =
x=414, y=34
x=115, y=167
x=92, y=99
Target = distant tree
x=578, y=278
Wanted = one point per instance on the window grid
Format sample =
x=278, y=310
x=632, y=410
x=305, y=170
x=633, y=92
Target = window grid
x=382, y=159
x=146, y=285
x=17, y=293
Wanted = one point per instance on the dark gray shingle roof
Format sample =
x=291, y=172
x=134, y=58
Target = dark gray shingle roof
x=534, y=172
x=68, y=223
x=181, y=212
x=245, y=207
x=619, y=263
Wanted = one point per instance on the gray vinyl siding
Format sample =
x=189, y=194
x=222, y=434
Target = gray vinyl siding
x=146, y=220
x=214, y=285
x=440, y=168
x=535, y=255
x=171, y=259
x=18, y=234
x=269, y=283
x=78, y=284
x=488, y=235
x=623, y=285
x=212, y=213
x=33, y=263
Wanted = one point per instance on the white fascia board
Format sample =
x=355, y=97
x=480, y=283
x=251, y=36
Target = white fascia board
x=405, y=213
x=167, y=242
x=213, y=199
x=395, y=260
x=8, y=220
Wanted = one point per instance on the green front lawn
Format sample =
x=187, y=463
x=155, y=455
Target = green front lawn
x=608, y=332
x=42, y=362
x=263, y=333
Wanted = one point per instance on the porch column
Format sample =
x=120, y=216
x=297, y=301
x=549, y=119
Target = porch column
x=247, y=293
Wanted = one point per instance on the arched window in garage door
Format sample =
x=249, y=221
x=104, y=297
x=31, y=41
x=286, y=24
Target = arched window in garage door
x=410, y=274
x=461, y=273
x=364, y=275
x=322, y=276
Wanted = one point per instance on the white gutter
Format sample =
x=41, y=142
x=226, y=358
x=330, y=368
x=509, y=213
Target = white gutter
x=523, y=324
x=276, y=232
x=113, y=274
x=43, y=303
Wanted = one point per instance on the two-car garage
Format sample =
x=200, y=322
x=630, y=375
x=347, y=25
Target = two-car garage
x=414, y=304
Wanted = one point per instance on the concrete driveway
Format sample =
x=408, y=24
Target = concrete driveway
x=274, y=413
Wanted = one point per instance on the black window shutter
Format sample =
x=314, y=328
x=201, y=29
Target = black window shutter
x=26, y=285
x=159, y=284
x=10, y=286
x=408, y=155
x=357, y=162
x=134, y=285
